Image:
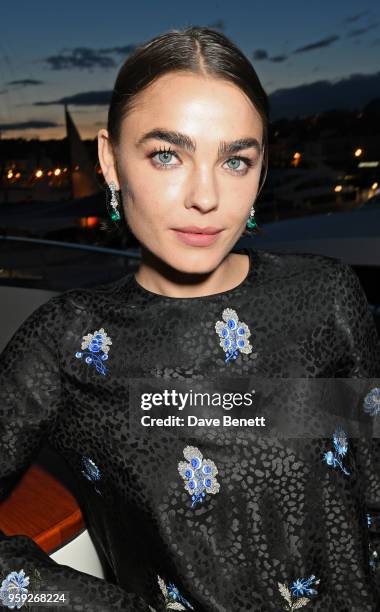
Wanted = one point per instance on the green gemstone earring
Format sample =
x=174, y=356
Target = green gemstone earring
x=114, y=203
x=251, y=223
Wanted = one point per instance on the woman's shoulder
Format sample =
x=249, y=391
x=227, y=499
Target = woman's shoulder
x=93, y=297
x=283, y=264
x=62, y=308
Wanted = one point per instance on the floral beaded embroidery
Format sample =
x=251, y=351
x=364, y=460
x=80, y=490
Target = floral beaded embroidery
x=98, y=345
x=372, y=552
x=299, y=593
x=173, y=598
x=198, y=474
x=373, y=558
x=15, y=585
x=371, y=403
x=233, y=334
x=16, y=588
x=341, y=445
x=91, y=471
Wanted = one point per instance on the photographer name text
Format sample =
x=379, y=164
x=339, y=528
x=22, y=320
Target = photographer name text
x=194, y=421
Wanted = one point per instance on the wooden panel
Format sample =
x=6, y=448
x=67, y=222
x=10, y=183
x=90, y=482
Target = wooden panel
x=43, y=509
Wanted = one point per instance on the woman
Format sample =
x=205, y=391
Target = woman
x=197, y=515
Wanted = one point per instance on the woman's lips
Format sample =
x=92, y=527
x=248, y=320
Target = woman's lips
x=197, y=239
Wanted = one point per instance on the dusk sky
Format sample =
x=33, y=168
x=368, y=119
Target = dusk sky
x=51, y=51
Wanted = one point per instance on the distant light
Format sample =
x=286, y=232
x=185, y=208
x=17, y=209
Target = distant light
x=358, y=152
x=65, y=169
x=57, y=171
x=369, y=164
x=88, y=221
x=92, y=221
x=297, y=155
x=50, y=173
x=39, y=173
x=10, y=174
x=338, y=188
x=17, y=175
x=76, y=167
x=374, y=186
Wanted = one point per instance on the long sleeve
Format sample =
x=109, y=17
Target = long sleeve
x=367, y=459
x=357, y=343
x=359, y=355
x=30, y=404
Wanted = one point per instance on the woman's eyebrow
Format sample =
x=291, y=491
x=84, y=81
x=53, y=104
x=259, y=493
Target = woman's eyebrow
x=185, y=142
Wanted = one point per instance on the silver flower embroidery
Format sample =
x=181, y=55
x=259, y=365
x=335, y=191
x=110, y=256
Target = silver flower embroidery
x=91, y=471
x=371, y=403
x=299, y=593
x=16, y=587
x=335, y=458
x=198, y=474
x=173, y=598
x=233, y=334
x=96, y=347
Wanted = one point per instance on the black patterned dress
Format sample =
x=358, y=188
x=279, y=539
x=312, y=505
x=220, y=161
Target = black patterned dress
x=268, y=503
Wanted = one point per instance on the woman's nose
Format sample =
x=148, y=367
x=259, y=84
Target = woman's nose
x=204, y=192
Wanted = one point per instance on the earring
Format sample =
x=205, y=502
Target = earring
x=114, y=203
x=251, y=223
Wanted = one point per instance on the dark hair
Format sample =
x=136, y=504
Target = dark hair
x=200, y=50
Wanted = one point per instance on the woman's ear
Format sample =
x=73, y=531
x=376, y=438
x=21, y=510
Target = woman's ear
x=106, y=157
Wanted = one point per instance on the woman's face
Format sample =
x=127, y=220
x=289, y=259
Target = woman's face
x=169, y=183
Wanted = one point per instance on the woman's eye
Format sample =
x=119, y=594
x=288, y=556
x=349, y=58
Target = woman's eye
x=236, y=161
x=163, y=157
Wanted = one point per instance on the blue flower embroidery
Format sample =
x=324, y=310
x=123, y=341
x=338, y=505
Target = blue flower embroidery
x=371, y=403
x=372, y=553
x=173, y=599
x=91, y=471
x=233, y=334
x=98, y=345
x=299, y=593
x=198, y=474
x=14, y=587
x=373, y=558
x=341, y=445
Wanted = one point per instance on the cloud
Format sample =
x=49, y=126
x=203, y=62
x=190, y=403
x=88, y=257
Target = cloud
x=28, y=125
x=354, y=91
x=87, y=98
x=364, y=30
x=324, y=42
x=82, y=58
x=25, y=82
x=260, y=54
x=3, y=91
x=278, y=58
x=354, y=18
x=85, y=58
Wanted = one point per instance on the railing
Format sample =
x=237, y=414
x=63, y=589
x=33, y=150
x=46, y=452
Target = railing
x=72, y=245
x=56, y=266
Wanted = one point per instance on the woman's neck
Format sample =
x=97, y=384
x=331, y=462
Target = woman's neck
x=156, y=276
